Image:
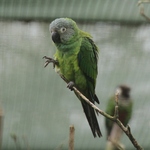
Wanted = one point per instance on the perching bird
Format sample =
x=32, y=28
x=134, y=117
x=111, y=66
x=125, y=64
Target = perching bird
x=76, y=59
x=114, y=132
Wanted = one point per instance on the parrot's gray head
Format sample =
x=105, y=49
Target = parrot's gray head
x=63, y=30
x=124, y=90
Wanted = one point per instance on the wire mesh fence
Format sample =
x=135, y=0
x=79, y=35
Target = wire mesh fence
x=38, y=108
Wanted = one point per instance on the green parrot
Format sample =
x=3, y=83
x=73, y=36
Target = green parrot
x=76, y=59
x=114, y=132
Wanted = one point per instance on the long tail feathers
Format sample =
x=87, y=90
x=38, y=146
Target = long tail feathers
x=91, y=117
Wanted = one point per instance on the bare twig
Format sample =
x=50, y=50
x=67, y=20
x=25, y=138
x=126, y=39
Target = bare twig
x=126, y=130
x=142, y=9
x=143, y=13
x=71, y=138
x=143, y=1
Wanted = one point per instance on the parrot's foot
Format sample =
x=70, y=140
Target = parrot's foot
x=50, y=60
x=70, y=85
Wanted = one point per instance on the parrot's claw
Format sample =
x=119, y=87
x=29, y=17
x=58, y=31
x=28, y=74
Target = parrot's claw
x=70, y=85
x=50, y=60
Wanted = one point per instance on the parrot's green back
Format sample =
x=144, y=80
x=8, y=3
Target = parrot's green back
x=77, y=61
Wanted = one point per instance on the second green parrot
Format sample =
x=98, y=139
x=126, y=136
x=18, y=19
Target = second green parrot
x=76, y=59
x=114, y=132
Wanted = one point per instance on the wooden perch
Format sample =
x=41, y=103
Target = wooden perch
x=71, y=138
x=114, y=118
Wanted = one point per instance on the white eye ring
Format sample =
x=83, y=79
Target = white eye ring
x=63, y=29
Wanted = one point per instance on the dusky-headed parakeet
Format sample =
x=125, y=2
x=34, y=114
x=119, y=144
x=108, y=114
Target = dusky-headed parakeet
x=76, y=59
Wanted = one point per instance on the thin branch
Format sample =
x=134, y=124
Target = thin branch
x=142, y=9
x=114, y=118
x=143, y=1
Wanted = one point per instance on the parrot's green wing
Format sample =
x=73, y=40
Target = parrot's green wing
x=87, y=59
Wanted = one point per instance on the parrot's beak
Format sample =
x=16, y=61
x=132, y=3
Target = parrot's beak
x=55, y=37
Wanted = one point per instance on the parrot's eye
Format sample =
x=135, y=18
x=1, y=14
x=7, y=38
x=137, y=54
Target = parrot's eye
x=63, y=29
